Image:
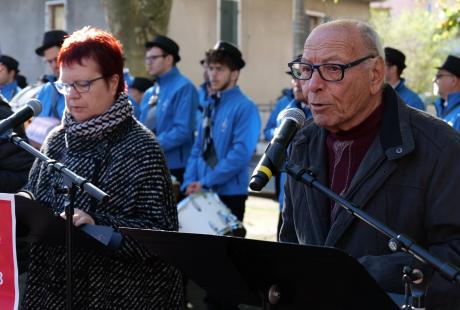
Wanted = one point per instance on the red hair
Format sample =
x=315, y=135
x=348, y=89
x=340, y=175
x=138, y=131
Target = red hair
x=99, y=45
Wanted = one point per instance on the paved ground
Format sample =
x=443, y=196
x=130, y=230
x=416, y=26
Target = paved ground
x=261, y=218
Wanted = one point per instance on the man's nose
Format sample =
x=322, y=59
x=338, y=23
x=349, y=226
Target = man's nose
x=212, y=73
x=315, y=83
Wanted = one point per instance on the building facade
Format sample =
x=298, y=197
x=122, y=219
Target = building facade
x=261, y=28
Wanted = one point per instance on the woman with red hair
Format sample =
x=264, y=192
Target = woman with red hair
x=100, y=140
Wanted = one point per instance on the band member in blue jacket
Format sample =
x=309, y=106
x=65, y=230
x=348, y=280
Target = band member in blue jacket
x=53, y=103
x=448, y=81
x=226, y=139
x=168, y=108
x=8, y=73
x=228, y=134
x=395, y=62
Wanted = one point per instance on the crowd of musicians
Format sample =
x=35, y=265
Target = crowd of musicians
x=367, y=138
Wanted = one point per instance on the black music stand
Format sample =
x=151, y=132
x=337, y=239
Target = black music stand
x=35, y=222
x=269, y=274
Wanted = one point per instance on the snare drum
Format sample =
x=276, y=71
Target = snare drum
x=205, y=213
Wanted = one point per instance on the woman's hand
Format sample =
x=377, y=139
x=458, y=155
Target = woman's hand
x=80, y=217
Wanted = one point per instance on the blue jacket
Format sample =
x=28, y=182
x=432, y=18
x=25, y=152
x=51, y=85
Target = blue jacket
x=235, y=131
x=450, y=113
x=202, y=102
x=9, y=90
x=136, y=107
x=272, y=121
x=174, y=117
x=408, y=96
x=53, y=103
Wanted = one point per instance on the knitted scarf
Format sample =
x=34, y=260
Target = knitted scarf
x=100, y=125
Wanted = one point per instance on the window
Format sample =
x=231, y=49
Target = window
x=314, y=18
x=229, y=20
x=55, y=15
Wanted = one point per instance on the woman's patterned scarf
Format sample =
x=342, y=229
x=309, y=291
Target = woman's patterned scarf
x=103, y=124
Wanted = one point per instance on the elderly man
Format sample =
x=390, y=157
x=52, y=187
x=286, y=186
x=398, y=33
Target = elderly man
x=448, y=81
x=394, y=162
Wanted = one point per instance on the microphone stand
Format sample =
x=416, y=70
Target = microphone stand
x=72, y=182
x=398, y=242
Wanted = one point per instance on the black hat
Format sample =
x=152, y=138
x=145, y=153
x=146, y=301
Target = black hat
x=232, y=51
x=10, y=63
x=50, y=39
x=165, y=44
x=452, y=64
x=395, y=57
x=141, y=84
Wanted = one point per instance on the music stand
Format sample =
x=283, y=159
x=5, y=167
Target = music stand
x=269, y=274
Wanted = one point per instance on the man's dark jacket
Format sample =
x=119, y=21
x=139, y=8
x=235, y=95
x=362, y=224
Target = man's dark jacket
x=15, y=163
x=409, y=179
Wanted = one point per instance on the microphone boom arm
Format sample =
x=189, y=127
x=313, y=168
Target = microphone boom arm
x=52, y=165
x=397, y=241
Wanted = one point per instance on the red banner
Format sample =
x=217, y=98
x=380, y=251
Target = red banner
x=9, y=293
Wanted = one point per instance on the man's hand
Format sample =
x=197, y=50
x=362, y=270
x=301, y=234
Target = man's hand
x=193, y=188
x=80, y=217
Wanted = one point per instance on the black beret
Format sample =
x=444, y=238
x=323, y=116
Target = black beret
x=232, y=51
x=166, y=44
x=452, y=64
x=51, y=38
x=395, y=57
x=10, y=63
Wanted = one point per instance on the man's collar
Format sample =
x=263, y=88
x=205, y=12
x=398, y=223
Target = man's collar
x=167, y=76
x=395, y=133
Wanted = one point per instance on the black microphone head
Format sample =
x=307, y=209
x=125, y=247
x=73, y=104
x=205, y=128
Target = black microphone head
x=295, y=114
x=35, y=105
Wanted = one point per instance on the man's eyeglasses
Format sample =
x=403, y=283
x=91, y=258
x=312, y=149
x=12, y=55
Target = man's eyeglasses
x=328, y=72
x=153, y=57
x=437, y=77
x=79, y=86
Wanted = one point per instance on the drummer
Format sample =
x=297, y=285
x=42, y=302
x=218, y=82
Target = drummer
x=228, y=136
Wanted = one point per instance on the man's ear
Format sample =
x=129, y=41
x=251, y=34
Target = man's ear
x=234, y=75
x=377, y=75
x=169, y=59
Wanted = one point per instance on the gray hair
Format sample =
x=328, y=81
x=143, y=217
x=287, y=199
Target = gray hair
x=369, y=36
x=371, y=39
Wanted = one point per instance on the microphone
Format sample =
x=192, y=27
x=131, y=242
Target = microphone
x=275, y=153
x=33, y=107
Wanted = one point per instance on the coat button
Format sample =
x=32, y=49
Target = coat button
x=399, y=150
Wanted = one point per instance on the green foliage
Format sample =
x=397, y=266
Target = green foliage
x=451, y=22
x=415, y=33
x=134, y=22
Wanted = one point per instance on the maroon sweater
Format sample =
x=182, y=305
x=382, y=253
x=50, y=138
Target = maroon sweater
x=346, y=149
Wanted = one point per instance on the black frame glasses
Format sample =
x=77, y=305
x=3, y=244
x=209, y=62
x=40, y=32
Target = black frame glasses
x=153, y=57
x=330, y=72
x=439, y=76
x=79, y=86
